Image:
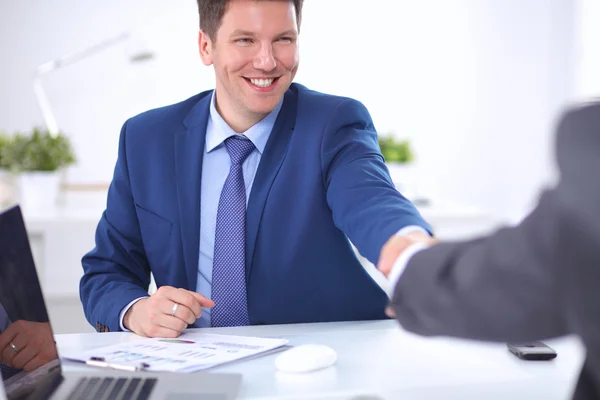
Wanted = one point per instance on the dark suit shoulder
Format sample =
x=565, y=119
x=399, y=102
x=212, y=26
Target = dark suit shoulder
x=591, y=109
x=582, y=120
x=578, y=141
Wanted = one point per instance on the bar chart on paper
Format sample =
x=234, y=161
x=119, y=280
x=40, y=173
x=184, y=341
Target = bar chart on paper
x=188, y=353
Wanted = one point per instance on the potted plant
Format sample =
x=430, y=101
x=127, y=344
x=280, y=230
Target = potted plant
x=38, y=159
x=396, y=151
x=399, y=158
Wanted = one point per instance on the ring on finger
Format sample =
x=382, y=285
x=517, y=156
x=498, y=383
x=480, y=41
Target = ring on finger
x=174, y=309
x=14, y=348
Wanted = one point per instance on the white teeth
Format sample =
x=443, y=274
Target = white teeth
x=262, y=82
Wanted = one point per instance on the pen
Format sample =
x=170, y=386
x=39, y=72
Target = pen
x=102, y=363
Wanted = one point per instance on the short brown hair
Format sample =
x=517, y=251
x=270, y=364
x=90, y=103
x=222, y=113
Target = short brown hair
x=211, y=13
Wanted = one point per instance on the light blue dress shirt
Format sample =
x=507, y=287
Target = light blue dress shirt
x=215, y=168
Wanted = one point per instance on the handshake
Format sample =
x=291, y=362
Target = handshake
x=398, y=244
x=393, y=249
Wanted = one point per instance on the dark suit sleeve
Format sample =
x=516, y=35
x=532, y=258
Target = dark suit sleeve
x=521, y=283
x=503, y=287
x=365, y=204
x=116, y=271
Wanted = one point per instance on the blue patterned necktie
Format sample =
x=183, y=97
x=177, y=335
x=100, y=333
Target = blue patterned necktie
x=229, y=262
x=7, y=371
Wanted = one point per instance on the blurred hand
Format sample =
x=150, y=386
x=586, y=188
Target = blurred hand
x=34, y=344
x=394, y=247
x=389, y=311
x=151, y=317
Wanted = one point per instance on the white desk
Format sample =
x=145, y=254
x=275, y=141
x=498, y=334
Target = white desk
x=378, y=358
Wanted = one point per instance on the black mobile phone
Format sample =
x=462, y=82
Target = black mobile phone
x=536, y=351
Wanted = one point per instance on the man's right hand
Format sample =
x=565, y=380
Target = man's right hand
x=151, y=317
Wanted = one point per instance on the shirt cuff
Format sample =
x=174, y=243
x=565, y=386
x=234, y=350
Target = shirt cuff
x=402, y=262
x=407, y=230
x=124, y=310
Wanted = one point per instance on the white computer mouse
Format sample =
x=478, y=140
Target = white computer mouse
x=306, y=358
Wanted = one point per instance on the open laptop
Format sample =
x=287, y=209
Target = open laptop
x=22, y=303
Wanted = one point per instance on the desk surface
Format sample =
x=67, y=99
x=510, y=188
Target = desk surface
x=378, y=358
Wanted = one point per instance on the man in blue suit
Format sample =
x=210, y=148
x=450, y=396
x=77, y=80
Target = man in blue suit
x=240, y=201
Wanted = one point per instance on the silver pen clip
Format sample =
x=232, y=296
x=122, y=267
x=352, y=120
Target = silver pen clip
x=102, y=363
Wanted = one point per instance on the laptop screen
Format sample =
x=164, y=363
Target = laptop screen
x=28, y=354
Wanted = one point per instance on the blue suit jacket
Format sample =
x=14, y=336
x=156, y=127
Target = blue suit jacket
x=321, y=179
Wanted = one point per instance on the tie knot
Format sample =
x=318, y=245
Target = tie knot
x=239, y=148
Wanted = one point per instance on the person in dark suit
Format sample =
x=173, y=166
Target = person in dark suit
x=240, y=201
x=540, y=279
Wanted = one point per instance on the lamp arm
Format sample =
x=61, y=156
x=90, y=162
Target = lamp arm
x=44, y=104
x=58, y=63
x=80, y=55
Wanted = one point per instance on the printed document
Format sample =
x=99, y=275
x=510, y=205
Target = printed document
x=188, y=353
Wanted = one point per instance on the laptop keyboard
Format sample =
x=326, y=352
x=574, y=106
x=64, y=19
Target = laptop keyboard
x=113, y=388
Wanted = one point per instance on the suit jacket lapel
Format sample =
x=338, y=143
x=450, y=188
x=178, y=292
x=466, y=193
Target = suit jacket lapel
x=270, y=163
x=189, y=153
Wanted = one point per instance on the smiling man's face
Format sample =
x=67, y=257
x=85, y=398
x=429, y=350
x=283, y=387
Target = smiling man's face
x=255, y=57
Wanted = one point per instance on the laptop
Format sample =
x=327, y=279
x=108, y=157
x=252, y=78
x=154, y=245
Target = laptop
x=22, y=304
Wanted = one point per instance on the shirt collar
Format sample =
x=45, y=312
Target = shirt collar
x=258, y=133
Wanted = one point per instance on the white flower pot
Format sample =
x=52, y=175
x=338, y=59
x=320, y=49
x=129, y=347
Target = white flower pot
x=38, y=190
x=7, y=189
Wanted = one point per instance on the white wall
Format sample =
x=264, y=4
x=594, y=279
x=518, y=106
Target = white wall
x=91, y=99
x=474, y=83
x=588, y=49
